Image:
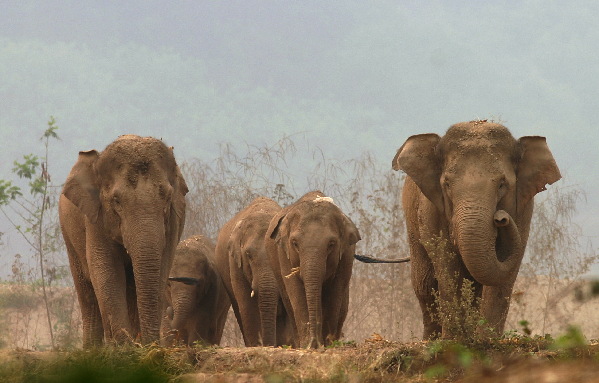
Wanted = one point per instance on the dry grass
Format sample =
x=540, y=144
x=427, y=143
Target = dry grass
x=518, y=359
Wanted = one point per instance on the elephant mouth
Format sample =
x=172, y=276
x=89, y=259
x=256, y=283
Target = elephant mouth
x=503, y=250
x=500, y=249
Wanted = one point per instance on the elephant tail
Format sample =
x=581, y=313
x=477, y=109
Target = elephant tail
x=369, y=259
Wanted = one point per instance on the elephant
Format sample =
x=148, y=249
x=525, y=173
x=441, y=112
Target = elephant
x=198, y=303
x=122, y=212
x=475, y=187
x=311, y=246
x=244, y=266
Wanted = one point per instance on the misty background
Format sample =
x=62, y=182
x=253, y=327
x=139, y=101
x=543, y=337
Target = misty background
x=344, y=77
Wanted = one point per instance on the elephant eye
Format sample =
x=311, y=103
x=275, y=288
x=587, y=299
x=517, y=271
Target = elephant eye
x=502, y=184
x=332, y=244
x=295, y=244
x=166, y=192
x=249, y=254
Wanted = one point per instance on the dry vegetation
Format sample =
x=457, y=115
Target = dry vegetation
x=384, y=321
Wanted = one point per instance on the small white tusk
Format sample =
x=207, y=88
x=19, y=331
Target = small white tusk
x=294, y=270
x=252, y=294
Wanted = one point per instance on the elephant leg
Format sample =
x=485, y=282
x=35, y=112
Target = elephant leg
x=93, y=330
x=204, y=321
x=219, y=315
x=193, y=336
x=423, y=284
x=451, y=274
x=165, y=328
x=107, y=272
x=299, y=309
x=237, y=313
x=220, y=326
x=287, y=331
x=495, y=305
x=335, y=300
x=284, y=327
x=333, y=313
x=188, y=335
x=343, y=313
x=250, y=314
x=286, y=315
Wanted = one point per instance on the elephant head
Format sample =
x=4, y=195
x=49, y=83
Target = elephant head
x=248, y=258
x=482, y=181
x=134, y=196
x=315, y=245
x=192, y=279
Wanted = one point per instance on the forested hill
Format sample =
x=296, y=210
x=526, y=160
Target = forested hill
x=348, y=77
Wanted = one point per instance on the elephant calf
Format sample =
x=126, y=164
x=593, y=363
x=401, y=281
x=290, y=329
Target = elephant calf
x=311, y=246
x=198, y=302
x=245, y=268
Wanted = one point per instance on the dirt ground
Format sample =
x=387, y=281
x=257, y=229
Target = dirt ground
x=375, y=360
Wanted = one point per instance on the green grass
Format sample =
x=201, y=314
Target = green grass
x=126, y=364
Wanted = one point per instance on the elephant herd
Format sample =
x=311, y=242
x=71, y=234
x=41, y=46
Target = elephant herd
x=286, y=271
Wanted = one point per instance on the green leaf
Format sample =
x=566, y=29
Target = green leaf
x=51, y=131
x=37, y=186
x=27, y=168
x=8, y=192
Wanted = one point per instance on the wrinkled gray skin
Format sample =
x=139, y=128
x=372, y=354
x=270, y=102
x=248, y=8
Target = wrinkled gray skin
x=122, y=212
x=311, y=245
x=197, y=300
x=475, y=185
x=244, y=266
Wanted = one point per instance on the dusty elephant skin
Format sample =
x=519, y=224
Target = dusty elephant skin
x=197, y=300
x=311, y=245
x=122, y=212
x=245, y=269
x=475, y=185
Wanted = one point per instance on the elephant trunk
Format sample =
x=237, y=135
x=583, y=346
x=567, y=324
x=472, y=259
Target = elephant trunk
x=313, y=280
x=489, y=243
x=268, y=298
x=182, y=306
x=146, y=248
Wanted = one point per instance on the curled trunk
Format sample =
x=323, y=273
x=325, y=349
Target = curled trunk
x=489, y=243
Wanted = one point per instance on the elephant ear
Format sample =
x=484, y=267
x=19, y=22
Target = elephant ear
x=351, y=231
x=277, y=227
x=418, y=158
x=351, y=234
x=179, y=196
x=275, y=224
x=81, y=187
x=235, y=244
x=536, y=169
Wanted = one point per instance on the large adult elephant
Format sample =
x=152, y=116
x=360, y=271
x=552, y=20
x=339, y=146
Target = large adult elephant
x=197, y=299
x=122, y=212
x=311, y=245
x=475, y=185
x=244, y=266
